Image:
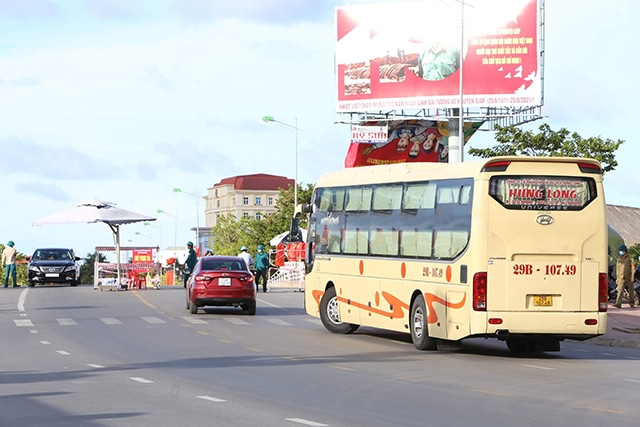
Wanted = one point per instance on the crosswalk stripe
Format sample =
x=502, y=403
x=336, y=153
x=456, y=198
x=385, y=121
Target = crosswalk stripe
x=278, y=322
x=23, y=322
x=153, y=319
x=195, y=320
x=110, y=321
x=66, y=322
x=236, y=321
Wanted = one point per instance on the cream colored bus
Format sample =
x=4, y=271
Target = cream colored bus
x=513, y=248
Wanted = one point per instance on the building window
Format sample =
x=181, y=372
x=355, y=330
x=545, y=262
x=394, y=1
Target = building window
x=216, y=193
x=218, y=203
x=258, y=216
x=245, y=214
x=270, y=201
x=245, y=200
x=258, y=200
x=233, y=201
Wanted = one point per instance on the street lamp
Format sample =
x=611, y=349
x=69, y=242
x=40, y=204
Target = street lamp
x=175, y=240
x=178, y=190
x=270, y=119
x=143, y=235
x=148, y=224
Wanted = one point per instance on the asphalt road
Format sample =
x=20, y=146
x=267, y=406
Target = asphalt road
x=79, y=357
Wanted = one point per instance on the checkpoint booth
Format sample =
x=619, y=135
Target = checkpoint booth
x=140, y=272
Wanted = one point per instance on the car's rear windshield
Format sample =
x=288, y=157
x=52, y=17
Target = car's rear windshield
x=223, y=265
x=52, y=254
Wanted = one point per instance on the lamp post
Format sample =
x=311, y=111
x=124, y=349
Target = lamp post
x=148, y=224
x=296, y=129
x=175, y=241
x=179, y=190
x=143, y=235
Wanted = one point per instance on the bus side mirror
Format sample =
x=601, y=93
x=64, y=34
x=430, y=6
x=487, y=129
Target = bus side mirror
x=294, y=230
x=304, y=208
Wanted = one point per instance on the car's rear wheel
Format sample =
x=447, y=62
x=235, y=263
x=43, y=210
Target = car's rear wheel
x=330, y=315
x=193, y=309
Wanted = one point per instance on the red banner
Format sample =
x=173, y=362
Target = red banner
x=409, y=141
x=407, y=55
x=142, y=255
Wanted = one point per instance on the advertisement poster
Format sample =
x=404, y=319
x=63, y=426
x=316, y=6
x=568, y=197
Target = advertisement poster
x=408, y=141
x=407, y=55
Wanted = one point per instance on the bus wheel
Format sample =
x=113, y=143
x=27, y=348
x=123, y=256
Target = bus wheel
x=419, y=331
x=330, y=315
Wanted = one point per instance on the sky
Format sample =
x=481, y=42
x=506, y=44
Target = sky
x=124, y=100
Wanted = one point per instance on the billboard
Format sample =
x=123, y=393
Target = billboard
x=407, y=55
x=408, y=141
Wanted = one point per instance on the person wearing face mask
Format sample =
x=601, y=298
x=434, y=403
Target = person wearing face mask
x=262, y=267
x=623, y=276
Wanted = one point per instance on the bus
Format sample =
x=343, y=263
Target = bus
x=513, y=248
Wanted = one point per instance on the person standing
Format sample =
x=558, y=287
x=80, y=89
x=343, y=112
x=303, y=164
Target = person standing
x=623, y=276
x=190, y=263
x=261, y=266
x=246, y=256
x=9, y=264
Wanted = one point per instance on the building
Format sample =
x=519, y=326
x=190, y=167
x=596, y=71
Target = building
x=626, y=221
x=244, y=196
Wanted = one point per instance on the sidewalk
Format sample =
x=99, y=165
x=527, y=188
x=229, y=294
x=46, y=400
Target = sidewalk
x=623, y=328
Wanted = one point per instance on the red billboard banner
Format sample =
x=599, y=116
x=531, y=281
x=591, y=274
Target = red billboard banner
x=408, y=141
x=142, y=255
x=407, y=55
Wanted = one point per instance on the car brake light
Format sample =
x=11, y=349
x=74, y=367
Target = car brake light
x=603, y=292
x=248, y=278
x=480, y=291
x=203, y=279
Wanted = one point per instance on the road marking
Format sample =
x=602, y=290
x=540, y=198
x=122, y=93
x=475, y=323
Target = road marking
x=632, y=381
x=195, y=321
x=611, y=411
x=236, y=321
x=22, y=298
x=279, y=322
x=608, y=354
x=144, y=300
x=153, y=319
x=211, y=399
x=45, y=343
x=257, y=350
x=539, y=367
x=33, y=331
x=495, y=393
x=62, y=352
x=343, y=368
x=202, y=333
x=23, y=314
x=306, y=422
x=23, y=322
x=225, y=341
x=94, y=365
x=141, y=380
x=66, y=322
x=583, y=350
x=110, y=321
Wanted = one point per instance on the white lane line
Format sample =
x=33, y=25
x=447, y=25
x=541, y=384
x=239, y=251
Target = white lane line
x=33, y=331
x=110, y=321
x=195, y=320
x=23, y=322
x=62, y=352
x=279, y=322
x=23, y=314
x=236, y=321
x=153, y=319
x=608, y=354
x=211, y=399
x=22, y=298
x=539, y=367
x=141, y=380
x=94, y=365
x=306, y=422
x=66, y=322
x=45, y=343
x=632, y=381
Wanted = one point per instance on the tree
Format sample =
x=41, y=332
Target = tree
x=514, y=141
x=87, y=269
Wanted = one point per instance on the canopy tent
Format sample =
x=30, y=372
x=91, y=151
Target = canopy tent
x=93, y=211
x=284, y=237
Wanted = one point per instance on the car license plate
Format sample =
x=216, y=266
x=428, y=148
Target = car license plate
x=224, y=281
x=51, y=275
x=543, y=300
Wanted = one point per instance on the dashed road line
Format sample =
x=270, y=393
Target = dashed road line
x=110, y=321
x=306, y=422
x=62, y=352
x=236, y=321
x=45, y=343
x=279, y=322
x=66, y=322
x=211, y=399
x=540, y=367
x=195, y=320
x=141, y=380
x=342, y=368
x=153, y=319
x=94, y=365
x=23, y=322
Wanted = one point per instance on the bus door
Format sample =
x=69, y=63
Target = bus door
x=543, y=243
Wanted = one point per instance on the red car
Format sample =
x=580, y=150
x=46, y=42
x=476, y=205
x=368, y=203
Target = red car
x=221, y=281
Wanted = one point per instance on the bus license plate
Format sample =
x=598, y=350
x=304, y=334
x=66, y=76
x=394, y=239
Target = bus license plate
x=224, y=281
x=543, y=300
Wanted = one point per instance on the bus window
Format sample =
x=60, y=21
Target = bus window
x=358, y=199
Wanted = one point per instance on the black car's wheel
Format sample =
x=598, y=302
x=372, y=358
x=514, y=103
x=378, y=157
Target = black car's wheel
x=418, y=326
x=31, y=284
x=250, y=308
x=74, y=283
x=330, y=315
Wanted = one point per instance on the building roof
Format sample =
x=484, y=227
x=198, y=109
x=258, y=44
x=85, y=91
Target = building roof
x=259, y=182
x=626, y=221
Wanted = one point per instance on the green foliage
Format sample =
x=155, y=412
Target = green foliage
x=514, y=141
x=87, y=269
x=231, y=233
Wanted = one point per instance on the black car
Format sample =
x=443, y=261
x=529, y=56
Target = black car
x=53, y=265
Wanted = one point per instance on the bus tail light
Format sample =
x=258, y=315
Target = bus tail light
x=603, y=292
x=589, y=168
x=496, y=166
x=480, y=291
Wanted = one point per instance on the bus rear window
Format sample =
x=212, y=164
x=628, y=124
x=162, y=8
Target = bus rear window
x=542, y=192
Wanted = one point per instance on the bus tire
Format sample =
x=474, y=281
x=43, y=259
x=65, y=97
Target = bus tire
x=330, y=315
x=418, y=326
